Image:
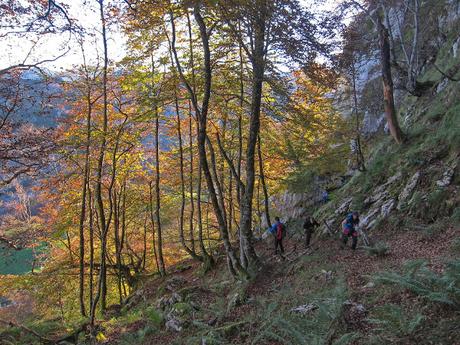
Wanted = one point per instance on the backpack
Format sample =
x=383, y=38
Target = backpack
x=352, y=222
x=280, y=231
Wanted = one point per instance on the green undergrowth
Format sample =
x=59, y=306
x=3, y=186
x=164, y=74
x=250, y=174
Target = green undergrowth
x=429, y=311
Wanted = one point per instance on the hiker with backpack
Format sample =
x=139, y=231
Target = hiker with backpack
x=349, y=229
x=279, y=230
x=309, y=227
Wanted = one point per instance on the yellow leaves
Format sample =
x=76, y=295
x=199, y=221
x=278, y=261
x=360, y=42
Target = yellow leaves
x=100, y=337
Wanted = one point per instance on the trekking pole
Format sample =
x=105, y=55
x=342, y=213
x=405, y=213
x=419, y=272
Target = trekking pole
x=328, y=228
x=364, y=236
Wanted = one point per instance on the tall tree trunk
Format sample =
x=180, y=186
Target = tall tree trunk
x=117, y=240
x=359, y=151
x=264, y=185
x=100, y=202
x=157, y=193
x=192, y=202
x=202, y=115
x=83, y=204
x=239, y=191
x=152, y=221
x=191, y=191
x=91, y=246
x=144, y=251
x=388, y=92
x=190, y=251
x=258, y=70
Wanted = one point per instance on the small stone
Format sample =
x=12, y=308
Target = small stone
x=174, y=325
x=442, y=85
x=446, y=178
x=327, y=275
x=355, y=307
x=304, y=309
x=369, y=285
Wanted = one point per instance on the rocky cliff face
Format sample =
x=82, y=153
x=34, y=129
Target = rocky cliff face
x=435, y=32
x=415, y=185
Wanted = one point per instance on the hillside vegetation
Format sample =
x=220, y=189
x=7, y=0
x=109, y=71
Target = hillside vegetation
x=175, y=262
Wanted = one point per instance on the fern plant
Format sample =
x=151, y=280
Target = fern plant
x=393, y=325
x=292, y=329
x=419, y=279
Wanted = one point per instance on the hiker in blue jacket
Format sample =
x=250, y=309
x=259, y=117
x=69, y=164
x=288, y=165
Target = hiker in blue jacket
x=349, y=230
x=279, y=231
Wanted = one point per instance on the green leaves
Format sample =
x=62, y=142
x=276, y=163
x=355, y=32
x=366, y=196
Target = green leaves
x=393, y=323
x=444, y=288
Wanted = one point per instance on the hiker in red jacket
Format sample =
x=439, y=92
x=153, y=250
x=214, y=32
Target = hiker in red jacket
x=279, y=230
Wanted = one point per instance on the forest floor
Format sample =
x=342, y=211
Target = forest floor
x=218, y=310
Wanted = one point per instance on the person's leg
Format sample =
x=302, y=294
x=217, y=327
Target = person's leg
x=276, y=245
x=354, y=239
x=344, y=239
x=307, y=238
x=281, y=246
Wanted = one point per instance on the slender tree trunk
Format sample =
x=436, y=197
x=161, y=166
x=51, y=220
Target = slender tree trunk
x=157, y=193
x=359, y=152
x=117, y=240
x=84, y=195
x=190, y=251
x=202, y=143
x=388, y=90
x=258, y=70
x=201, y=113
x=192, y=67
x=191, y=191
x=239, y=191
x=144, y=252
x=91, y=246
x=264, y=185
x=152, y=220
x=100, y=202
x=230, y=204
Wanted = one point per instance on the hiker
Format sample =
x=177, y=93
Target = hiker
x=279, y=230
x=309, y=226
x=349, y=230
x=325, y=197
